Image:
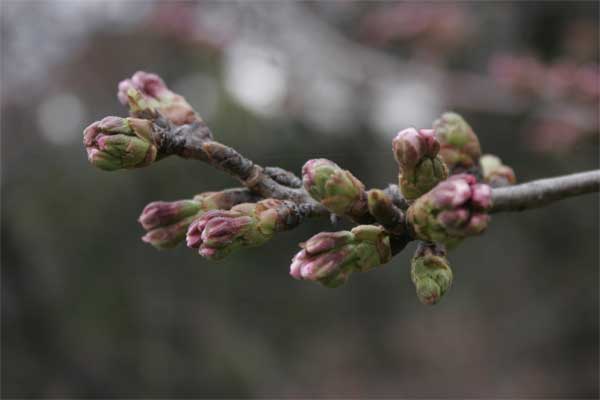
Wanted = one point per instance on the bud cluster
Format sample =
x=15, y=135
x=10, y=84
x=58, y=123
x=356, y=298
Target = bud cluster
x=166, y=222
x=337, y=189
x=147, y=92
x=430, y=272
x=116, y=143
x=416, y=152
x=460, y=148
x=219, y=232
x=330, y=257
x=451, y=211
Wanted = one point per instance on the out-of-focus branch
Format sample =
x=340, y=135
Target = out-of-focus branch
x=544, y=191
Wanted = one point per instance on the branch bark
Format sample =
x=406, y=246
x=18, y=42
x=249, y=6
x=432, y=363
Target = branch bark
x=544, y=191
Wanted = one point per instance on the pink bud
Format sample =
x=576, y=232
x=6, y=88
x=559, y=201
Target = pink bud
x=477, y=224
x=481, y=196
x=454, y=218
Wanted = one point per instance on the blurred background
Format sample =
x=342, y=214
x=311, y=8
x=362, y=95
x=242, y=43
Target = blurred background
x=88, y=310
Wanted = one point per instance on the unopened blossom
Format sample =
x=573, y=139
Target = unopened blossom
x=337, y=189
x=330, y=257
x=219, y=232
x=116, y=143
x=454, y=209
x=148, y=91
x=416, y=152
x=167, y=222
x=460, y=148
x=430, y=273
x=495, y=172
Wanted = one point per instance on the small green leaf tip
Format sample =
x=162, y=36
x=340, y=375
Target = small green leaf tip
x=495, y=172
x=454, y=209
x=120, y=143
x=430, y=272
x=460, y=148
x=219, y=232
x=330, y=257
x=416, y=152
x=337, y=189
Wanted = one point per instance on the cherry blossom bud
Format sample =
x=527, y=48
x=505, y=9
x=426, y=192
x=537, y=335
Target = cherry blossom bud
x=430, y=272
x=217, y=233
x=495, y=173
x=118, y=143
x=161, y=213
x=460, y=147
x=168, y=222
x=330, y=257
x=147, y=92
x=337, y=189
x=451, y=211
x=420, y=167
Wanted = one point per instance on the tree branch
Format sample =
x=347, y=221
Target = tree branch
x=544, y=191
x=194, y=141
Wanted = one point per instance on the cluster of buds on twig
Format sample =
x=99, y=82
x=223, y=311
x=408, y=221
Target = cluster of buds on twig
x=115, y=143
x=219, y=232
x=146, y=92
x=428, y=205
x=330, y=257
x=453, y=210
x=166, y=223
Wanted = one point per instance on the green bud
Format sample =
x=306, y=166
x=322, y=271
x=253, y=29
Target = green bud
x=416, y=152
x=117, y=143
x=460, y=146
x=430, y=273
x=146, y=93
x=337, y=189
x=454, y=209
x=218, y=232
x=495, y=172
x=330, y=257
x=428, y=173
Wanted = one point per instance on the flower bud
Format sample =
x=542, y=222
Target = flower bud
x=168, y=236
x=337, y=189
x=451, y=211
x=117, y=143
x=161, y=213
x=459, y=144
x=430, y=272
x=145, y=91
x=495, y=173
x=420, y=167
x=217, y=233
x=330, y=257
x=168, y=222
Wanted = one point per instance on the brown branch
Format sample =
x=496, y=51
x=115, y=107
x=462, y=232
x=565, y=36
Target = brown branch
x=544, y=191
x=194, y=141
